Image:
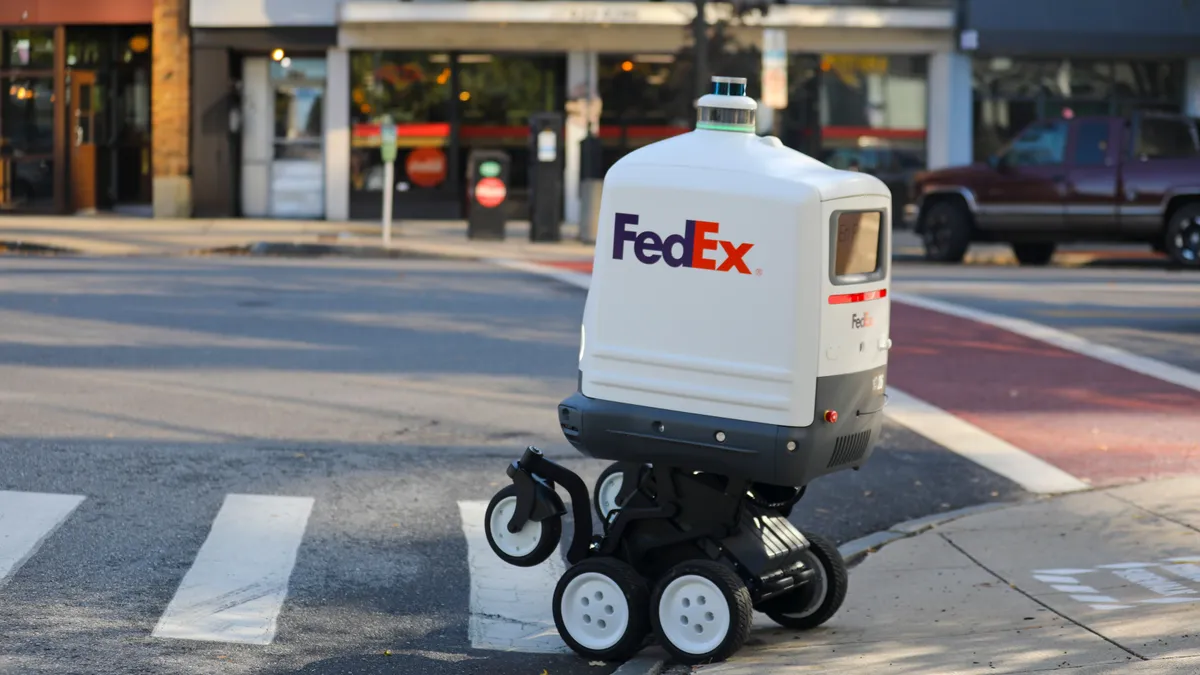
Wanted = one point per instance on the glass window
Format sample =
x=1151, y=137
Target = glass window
x=1166, y=138
x=497, y=93
x=1091, y=143
x=1008, y=78
x=413, y=89
x=1040, y=145
x=1149, y=80
x=27, y=48
x=876, y=102
x=27, y=115
x=300, y=68
x=856, y=244
x=26, y=183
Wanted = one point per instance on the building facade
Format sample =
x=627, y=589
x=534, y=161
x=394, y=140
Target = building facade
x=84, y=125
x=288, y=95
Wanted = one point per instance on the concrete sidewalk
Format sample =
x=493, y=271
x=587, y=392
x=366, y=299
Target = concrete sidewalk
x=1097, y=582
x=107, y=235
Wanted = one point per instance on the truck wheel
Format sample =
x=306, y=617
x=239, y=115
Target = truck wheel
x=1034, y=253
x=817, y=601
x=946, y=231
x=1182, y=240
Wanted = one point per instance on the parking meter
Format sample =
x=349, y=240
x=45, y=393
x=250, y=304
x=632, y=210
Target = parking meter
x=487, y=193
x=545, y=176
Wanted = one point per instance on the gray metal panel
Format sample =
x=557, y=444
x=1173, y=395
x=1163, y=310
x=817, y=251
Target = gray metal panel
x=213, y=171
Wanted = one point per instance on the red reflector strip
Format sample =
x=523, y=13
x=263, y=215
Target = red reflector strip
x=857, y=297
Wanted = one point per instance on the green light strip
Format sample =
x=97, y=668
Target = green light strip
x=725, y=127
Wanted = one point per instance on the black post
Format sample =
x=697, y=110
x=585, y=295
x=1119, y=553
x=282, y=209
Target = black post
x=545, y=176
x=700, y=47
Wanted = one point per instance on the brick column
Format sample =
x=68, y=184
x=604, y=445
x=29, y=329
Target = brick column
x=169, y=110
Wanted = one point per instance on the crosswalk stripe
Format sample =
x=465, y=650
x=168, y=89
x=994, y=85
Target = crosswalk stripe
x=237, y=584
x=510, y=606
x=26, y=520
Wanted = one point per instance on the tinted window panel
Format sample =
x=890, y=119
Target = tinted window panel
x=1091, y=144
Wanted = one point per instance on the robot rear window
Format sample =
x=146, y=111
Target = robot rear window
x=856, y=245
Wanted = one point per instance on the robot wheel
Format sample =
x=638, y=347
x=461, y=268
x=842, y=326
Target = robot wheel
x=701, y=612
x=601, y=609
x=529, y=546
x=817, y=601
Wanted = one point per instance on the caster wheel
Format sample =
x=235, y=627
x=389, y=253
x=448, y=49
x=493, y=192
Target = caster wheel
x=702, y=612
x=817, y=601
x=532, y=545
x=601, y=609
x=608, y=487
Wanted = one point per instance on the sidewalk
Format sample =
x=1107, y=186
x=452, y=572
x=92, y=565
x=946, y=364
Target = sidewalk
x=107, y=235
x=1092, y=583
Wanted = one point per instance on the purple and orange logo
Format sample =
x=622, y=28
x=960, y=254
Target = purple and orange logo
x=649, y=246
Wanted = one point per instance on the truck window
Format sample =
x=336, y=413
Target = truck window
x=856, y=246
x=1042, y=144
x=1166, y=138
x=1091, y=143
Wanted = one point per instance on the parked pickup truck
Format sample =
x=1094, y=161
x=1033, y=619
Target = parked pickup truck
x=1094, y=179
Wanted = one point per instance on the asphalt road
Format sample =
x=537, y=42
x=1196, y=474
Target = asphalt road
x=385, y=391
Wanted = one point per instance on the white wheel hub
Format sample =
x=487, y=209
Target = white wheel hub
x=610, y=487
x=515, y=544
x=694, y=614
x=594, y=611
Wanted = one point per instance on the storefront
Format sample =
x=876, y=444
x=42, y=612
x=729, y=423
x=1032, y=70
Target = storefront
x=75, y=107
x=1034, y=60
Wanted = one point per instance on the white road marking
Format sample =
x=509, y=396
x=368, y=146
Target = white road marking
x=1055, y=579
x=1126, y=566
x=511, y=607
x=1170, y=601
x=1069, y=570
x=1064, y=340
x=27, y=519
x=1069, y=588
x=969, y=441
x=1189, y=571
x=237, y=584
x=1103, y=599
x=1111, y=606
x=1155, y=583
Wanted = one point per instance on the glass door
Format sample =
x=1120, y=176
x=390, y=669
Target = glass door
x=298, y=163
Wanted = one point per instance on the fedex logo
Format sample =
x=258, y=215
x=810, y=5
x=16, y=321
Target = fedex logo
x=865, y=321
x=679, y=250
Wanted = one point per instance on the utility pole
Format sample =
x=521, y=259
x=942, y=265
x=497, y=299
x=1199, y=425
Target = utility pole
x=700, y=49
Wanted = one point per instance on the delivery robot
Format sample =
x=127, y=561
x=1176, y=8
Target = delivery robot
x=734, y=348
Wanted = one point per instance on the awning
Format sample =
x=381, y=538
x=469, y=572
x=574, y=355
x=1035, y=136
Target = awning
x=638, y=14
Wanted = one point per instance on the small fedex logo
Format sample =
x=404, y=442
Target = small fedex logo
x=864, y=321
x=679, y=250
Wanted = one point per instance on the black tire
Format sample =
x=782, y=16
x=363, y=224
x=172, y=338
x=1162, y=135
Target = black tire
x=1181, y=240
x=946, y=231
x=808, y=607
x=547, y=541
x=627, y=469
x=637, y=598
x=1039, y=253
x=734, y=593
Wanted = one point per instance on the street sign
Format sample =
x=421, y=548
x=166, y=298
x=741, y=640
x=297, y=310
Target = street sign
x=489, y=169
x=490, y=192
x=387, y=142
x=774, y=69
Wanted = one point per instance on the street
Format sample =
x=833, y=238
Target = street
x=371, y=407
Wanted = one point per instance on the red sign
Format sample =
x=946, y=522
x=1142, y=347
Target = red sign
x=426, y=167
x=490, y=192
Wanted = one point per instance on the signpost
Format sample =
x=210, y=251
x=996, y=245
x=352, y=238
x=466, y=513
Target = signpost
x=774, y=69
x=387, y=151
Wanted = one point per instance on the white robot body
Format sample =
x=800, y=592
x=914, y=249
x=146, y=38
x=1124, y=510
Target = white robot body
x=713, y=277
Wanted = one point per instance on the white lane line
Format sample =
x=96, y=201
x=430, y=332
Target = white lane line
x=510, y=606
x=969, y=441
x=1072, y=571
x=236, y=586
x=1107, y=607
x=1074, y=588
x=1062, y=339
x=1102, y=599
x=26, y=520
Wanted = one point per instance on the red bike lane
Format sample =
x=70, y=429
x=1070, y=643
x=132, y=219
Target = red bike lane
x=1097, y=421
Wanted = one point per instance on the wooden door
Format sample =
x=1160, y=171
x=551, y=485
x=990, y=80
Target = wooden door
x=82, y=115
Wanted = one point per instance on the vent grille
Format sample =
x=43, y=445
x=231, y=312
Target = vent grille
x=849, y=449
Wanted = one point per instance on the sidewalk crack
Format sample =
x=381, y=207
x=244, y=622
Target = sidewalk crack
x=1156, y=514
x=1027, y=595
